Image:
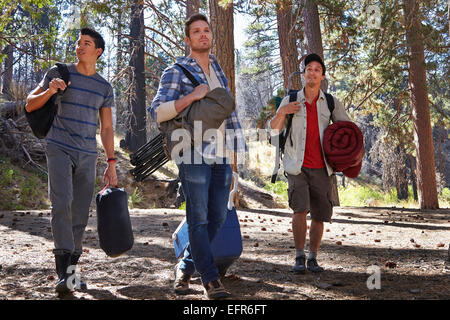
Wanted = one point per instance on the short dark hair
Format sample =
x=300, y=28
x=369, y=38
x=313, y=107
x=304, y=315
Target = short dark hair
x=98, y=39
x=314, y=57
x=192, y=19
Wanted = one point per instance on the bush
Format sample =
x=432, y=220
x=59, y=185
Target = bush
x=444, y=198
x=360, y=196
x=135, y=198
x=279, y=187
x=21, y=189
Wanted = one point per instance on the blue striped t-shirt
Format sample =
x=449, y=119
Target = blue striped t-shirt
x=75, y=124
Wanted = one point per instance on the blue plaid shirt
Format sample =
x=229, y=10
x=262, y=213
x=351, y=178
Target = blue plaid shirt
x=174, y=85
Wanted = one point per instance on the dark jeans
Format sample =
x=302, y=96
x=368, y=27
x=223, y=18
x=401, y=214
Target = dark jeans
x=206, y=189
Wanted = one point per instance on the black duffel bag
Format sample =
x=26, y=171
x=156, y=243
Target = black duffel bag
x=113, y=221
x=41, y=120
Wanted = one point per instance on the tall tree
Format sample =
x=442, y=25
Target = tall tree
x=222, y=23
x=312, y=32
x=192, y=6
x=259, y=68
x=136, y=135
x=426, y=171
x=288, y=43
x=8, y=71
x=312, y=27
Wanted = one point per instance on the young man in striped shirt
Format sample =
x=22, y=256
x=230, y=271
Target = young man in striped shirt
x=72, y=147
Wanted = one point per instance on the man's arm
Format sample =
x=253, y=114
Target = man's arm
x=38, y=97
x=170, y=109
x=167, y=102
x=107, y=137
x=198, y=93
x=339, y=113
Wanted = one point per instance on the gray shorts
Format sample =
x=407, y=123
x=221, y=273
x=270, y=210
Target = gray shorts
x=311, y=191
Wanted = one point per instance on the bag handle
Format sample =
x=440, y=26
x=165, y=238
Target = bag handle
x=63, y=72
x=103, y=190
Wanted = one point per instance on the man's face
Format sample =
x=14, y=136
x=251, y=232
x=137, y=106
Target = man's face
x=86, y=50
x=200, y=37
x=313, y=73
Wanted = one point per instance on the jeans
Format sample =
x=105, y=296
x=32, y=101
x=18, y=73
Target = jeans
x=206, y=189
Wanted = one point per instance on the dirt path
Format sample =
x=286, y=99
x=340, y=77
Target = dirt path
x=410, y=247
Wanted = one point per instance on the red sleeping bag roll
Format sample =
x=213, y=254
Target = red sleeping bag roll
x=344, y=148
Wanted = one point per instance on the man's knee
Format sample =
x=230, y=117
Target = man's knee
x=301, y=214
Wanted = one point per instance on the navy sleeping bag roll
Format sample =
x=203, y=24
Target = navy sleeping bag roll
x=113, y=221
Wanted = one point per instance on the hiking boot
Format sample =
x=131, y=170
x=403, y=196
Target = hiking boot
x=181, y=283
x=214, y=290
x=313, y=266
x=74, y=261
x=299, y=266
x=62, y=262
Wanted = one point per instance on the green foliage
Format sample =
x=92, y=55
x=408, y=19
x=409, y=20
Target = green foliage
x=7, y=176
x=279, y=188
x=356, y=195
x=371, y=195
x=20, y=189
x=261, y=49
x=135, y=198
x=444, y=198
x=182, y=206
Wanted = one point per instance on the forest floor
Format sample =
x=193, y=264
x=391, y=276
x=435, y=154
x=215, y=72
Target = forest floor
x=408, y=247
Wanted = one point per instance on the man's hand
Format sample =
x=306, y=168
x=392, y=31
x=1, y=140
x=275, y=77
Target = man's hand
x=110, y=174
x=56, y=84
x=200, y=91
x=292, y=107
x=277, y=122
x=38, y=97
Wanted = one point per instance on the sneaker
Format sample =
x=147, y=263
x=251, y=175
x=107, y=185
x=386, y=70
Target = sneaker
x=299, y=266
x=214, y=290
x=313, y=266
x=181, y=283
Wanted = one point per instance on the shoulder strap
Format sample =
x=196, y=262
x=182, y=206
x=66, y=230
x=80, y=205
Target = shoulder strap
x=63, y=71
x=292, y=95
x=283, y=137
x=292, y=98
x=188, y=75
x=330, y=103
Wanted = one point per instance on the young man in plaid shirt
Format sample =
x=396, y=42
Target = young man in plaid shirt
x=206, y=184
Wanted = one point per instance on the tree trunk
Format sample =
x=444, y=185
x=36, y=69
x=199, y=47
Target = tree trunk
x=426, y=170
x=119, y=66
x=288, y=44
x=313, y=33
x=136, y=134
x=402, y=183
x=192, y=6
x=222, y=23
x=8, y=72
x=440, y=155
x=1, y=72
x=312, y=28
x=412, y=176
